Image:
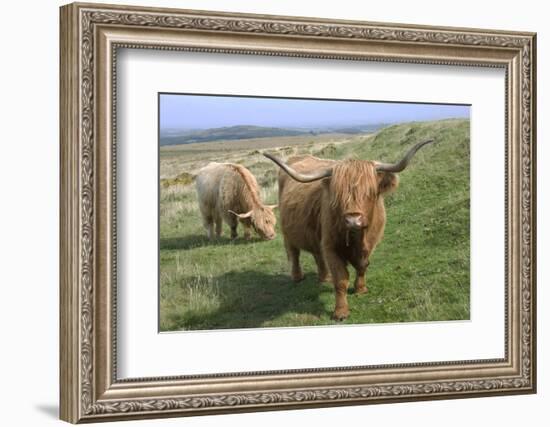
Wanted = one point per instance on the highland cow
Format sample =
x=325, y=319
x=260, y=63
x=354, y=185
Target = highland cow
x=335, y=210
x=229, y=192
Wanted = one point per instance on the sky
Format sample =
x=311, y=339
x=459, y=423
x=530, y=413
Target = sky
x=178, y=111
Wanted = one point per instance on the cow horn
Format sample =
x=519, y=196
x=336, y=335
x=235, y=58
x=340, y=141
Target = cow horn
x=402, y=164
x=298, y=176
x=242, y=215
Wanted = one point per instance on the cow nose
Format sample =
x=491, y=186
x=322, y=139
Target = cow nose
x=354, y=221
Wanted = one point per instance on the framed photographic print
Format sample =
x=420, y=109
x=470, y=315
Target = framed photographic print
x=265, y=212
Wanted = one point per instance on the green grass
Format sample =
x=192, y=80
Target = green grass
x=419, y=272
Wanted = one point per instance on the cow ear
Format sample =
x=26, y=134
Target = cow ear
x=241, y=216
x=387, y=182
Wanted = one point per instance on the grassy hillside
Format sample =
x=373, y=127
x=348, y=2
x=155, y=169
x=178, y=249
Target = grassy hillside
x=419, y=272
x=240, y=132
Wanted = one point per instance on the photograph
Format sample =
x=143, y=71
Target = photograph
x=298, y=212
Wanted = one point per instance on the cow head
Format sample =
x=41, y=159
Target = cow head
x=262, y=219
x=354, y=185
x=353, y=190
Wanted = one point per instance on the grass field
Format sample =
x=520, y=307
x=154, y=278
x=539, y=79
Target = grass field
x=419, y=272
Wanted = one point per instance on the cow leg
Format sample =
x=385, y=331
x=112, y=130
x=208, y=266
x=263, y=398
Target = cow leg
x=340, y=279
x=322, y=271
x=294, y=258
x=360, y=285
x=247, y=231
x=233, y=226
x=209, y=226
x=218, y=227
x=360, y=269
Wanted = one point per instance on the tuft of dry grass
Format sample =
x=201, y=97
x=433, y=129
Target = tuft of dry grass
x=183, y=178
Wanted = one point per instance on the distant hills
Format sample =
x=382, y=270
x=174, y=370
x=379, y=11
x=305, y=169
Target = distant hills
x=176, y=137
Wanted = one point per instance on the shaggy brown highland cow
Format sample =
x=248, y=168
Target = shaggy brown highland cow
x=229, y=192
x=335, y=210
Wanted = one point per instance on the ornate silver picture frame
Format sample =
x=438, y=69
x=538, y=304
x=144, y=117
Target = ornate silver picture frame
x=91, y=36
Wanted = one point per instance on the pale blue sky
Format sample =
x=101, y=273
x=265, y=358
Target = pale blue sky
x=205, y=111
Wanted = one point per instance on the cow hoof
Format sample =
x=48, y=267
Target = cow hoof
x=325, y=279
x=362, y=290
x=340, y=315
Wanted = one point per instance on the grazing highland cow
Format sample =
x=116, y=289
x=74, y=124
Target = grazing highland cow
x=230, y=192
x=335, y=210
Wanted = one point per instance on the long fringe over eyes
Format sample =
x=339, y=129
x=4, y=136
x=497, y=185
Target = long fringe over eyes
x=352, y=181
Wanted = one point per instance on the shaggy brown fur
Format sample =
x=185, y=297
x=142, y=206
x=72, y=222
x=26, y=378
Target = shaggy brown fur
x=229, y=192
x=313, y=219
x=352, y=171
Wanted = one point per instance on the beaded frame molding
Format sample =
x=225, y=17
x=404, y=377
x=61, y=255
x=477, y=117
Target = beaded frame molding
x=90, y=37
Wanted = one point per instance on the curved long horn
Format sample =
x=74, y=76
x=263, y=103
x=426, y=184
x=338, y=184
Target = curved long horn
x=298, y=176
x=402, y=164
x=242, y=215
